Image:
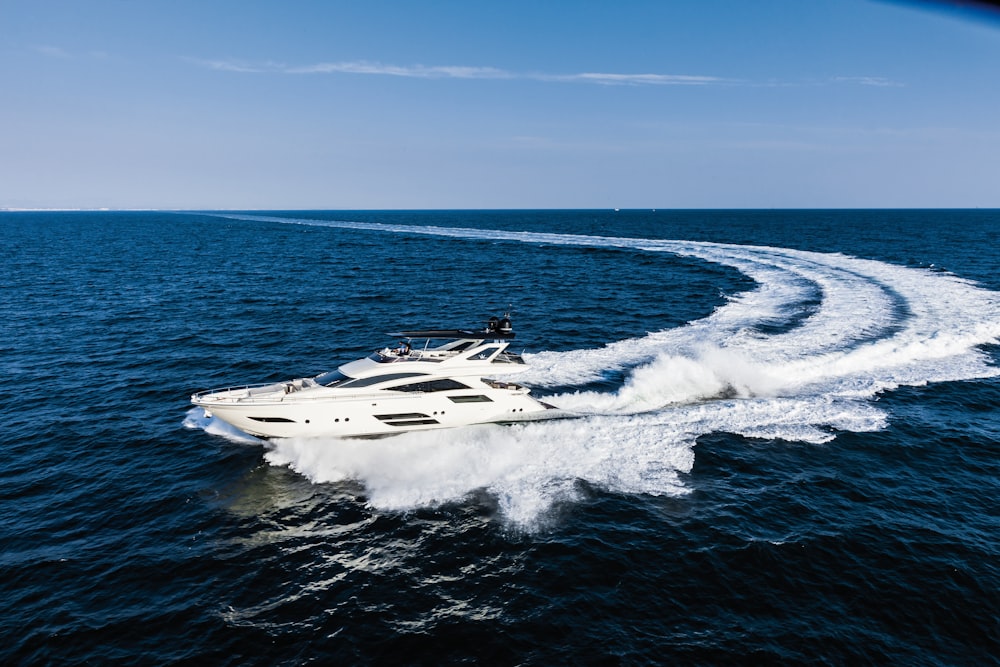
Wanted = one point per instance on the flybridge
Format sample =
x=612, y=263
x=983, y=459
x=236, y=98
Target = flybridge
x=454, y=334
x=498, y=328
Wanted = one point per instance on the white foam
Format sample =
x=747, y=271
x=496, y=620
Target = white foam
x=876, y=327
x=709, y=372
x=197, y=419
x=528, y=467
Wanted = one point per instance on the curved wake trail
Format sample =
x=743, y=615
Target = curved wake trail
x=868, y=327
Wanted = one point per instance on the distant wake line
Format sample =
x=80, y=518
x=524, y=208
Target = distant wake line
x=871, y=327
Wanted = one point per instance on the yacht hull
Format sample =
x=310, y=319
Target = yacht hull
x=374, y=415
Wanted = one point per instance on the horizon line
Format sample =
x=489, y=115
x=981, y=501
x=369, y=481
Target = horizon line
x=622, y=209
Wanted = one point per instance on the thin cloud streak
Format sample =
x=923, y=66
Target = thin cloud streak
x=358, y=67
x=452, y=72
x=412, y=71
x=609, y=79
x=238, y=66
x=52, y=51
x=879, y=81
x=364, y=67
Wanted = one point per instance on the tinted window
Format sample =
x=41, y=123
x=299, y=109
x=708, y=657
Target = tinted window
x=375, y=379
x=332, y=378
x=431, y=385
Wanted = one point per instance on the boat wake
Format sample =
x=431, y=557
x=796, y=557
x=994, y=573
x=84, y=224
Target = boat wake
x=847, y=329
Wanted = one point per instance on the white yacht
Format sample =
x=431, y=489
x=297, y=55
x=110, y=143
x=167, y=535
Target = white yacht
x=434, y=379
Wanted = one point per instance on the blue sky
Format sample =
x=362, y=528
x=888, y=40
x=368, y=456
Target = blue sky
x=465, y=104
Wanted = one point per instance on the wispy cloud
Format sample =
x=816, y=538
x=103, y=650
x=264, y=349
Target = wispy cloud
x=454, y=72
x=365, y=67
x=52, y=51
x=360, y=67
x=610, y=79
x=237, y=65
x=879, y=81
x=411, y=71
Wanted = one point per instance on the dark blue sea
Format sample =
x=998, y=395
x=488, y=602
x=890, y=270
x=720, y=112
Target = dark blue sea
x=787, y=448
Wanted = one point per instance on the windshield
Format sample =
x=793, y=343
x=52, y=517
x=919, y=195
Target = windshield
x=331, y=379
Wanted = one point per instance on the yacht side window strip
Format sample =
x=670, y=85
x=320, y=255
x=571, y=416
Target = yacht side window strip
x=444, y=384
x=376, y=379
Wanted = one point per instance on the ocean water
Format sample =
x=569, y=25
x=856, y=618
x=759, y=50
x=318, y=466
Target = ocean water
x=788, y=448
